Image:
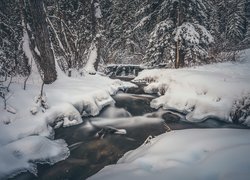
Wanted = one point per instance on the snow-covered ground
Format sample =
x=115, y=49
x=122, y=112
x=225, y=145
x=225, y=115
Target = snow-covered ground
x=27, y=139
x=218, y=90
x=204, y=154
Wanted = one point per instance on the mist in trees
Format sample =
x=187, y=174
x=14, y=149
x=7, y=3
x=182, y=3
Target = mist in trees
x=79, y=34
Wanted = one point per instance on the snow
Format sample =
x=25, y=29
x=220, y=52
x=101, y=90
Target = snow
x=186, y=154
x=34, y=76
x=98, y=12
x=37, y=51
x=21, y=155
x=189, y=33
x=92, y=57
x=67, y=100
x=201, y=92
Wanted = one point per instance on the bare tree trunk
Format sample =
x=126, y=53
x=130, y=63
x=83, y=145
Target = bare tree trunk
x=26, y=79
x=25, y=32
x=177, y=56
x=98, y=46
x=177, y=53
x=4, y=101
x=41, y=92
x=8, y=86
x=96, y=30
x=42, y=47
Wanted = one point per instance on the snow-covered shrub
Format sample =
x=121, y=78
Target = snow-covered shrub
x=240, y=112
x=40, y=104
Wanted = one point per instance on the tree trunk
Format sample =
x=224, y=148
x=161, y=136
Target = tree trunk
x=177, y=53
x=96, y=30
x=42, y=45
x=181, y=58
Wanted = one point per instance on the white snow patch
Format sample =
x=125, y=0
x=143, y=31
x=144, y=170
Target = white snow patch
x=92, y=57
x=23, y=155
x=98, y=12
x=37, y=51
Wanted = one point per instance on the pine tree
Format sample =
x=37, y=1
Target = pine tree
x=179, y=36
x=236, y=21
x=231, y=18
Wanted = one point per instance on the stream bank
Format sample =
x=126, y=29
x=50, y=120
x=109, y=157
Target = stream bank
x=95, y=143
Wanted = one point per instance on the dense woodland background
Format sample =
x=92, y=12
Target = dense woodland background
x=155, y=33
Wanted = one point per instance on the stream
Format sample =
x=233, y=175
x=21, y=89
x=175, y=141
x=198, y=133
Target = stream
x=119, y=128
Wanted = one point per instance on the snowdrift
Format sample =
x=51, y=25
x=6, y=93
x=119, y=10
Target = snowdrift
x=186, y=154
x=212, y=91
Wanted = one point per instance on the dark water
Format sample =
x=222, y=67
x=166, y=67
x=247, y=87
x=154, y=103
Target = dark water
x=90, y=153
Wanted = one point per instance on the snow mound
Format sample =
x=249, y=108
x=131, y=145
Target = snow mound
x=202, y=92
x=22, y=155
x=186, y=154
x=64, y=114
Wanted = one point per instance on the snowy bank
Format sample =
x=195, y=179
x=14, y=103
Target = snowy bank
x=186, y=154
x=22, y=155
x=26, y=139
x=219, y=90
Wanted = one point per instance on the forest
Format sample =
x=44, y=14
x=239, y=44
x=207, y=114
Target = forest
x=155, y=33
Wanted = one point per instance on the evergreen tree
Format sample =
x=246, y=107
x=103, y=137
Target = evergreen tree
x=236, y=21
x=179, y=36
x=231, y=24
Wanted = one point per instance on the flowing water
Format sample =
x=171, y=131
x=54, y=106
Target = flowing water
x=102, y=140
